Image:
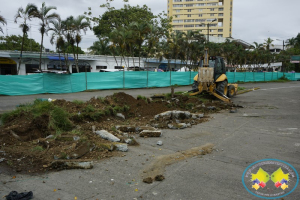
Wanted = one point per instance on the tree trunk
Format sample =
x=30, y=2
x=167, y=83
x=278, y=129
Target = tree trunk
x=76, y=60
x=40, y=66
x=20, y=61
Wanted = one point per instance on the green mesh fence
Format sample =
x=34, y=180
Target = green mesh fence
x=68, y=83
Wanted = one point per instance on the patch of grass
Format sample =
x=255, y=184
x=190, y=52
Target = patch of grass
x=101, y=99
x=89, y=108
x=59, y=119
x=141, y=97
x=37, y=148
x=126, y=108
x=241, y=88
x=9, y=162
x=97, y=115
x=189, y=106
x=41, y=107
x=114, y=129
x=76, y=132
x=78, y=102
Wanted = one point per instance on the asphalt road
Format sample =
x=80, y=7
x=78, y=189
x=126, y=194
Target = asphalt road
x=268, y=127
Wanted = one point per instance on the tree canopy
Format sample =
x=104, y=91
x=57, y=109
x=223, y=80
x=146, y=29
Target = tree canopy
x=14, y=42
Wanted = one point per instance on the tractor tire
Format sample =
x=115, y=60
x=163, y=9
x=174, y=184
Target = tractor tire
x=195, y=85
x=222, y=87
x=231, y=91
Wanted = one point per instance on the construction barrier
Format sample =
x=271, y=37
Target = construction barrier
x=69, y=83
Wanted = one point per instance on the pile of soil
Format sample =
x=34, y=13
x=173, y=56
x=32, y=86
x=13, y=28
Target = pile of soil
x=24, y=146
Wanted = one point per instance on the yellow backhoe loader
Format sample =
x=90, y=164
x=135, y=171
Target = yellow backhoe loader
x=212, y=78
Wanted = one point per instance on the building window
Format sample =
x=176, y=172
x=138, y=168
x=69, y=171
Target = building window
x=189, y=15
x=221, y=9
x=189, y=10
x=220, y=30
x=177, y=11
x=32, y=68
x=200, y=15
x=220, y=35
x=101, y=67
x=221, y=14
x=212, y=15
x=189, y=20
x=119, y=67
x=178, y=5
x=189, y=25
x=189, y=5
x=177, y=1
x=201, y=4
x=200, y=10
x=212, y=9
x=177, y=21
x=200, y=20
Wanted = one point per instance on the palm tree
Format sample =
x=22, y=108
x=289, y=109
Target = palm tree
x=44, y=16
x=101, y=47
x=257, y=46
x=79, y=24
x=26, y=14
x=2, y=21
x=268, y=42
x=56, y=36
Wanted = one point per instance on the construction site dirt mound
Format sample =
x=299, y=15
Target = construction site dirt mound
x=34, y=136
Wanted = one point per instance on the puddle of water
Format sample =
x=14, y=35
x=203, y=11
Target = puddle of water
x=157, y=167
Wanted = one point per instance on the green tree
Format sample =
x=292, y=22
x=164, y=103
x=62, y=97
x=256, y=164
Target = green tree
x=44, y=15
x=79, y=24
x=2, y=21
x=57, y=36
x=268, y=43
x=26, y=15
x=101, y=47
x=114, y=19
x=14, y=42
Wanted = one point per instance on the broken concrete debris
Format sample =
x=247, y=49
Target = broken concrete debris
x=121, y=147
x=120, y=115
x=149, y=133
x=107, y=136
x=159, y=143
x=71, y=164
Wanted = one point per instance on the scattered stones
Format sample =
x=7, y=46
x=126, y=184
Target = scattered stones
x=121, y=147
x=50, y=137
x=121, y=116
x=233, y=111
x=67, y=164
x=149, y=133
x=2, y=159
x=211, y=108
x=148, y=180
x=177, y=125
x=159, y=178
x=142, y=128
x=107, y=136
x=108, y=146
x=93, y=129
x=159, y=143
x=81, y=151
x=125, y=128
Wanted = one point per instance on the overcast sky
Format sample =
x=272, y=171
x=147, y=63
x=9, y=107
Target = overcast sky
x=253, y=20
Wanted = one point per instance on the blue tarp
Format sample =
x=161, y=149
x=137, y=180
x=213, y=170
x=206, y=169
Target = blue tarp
x=60, y=58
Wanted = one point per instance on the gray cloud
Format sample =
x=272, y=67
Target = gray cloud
x=253, y=20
